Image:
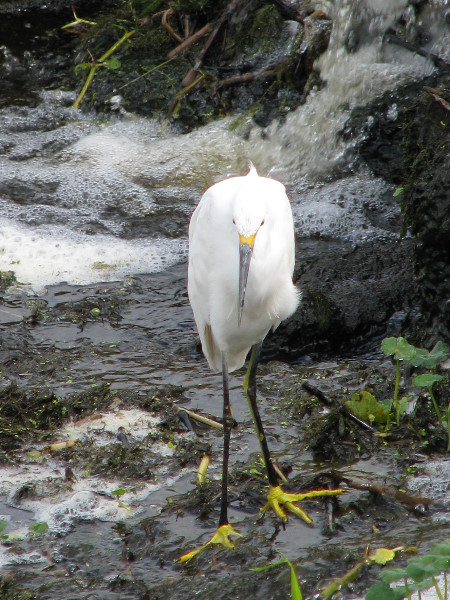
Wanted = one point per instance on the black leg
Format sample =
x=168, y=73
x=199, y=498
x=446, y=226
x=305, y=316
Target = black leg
x=227, y=425
x=250, y=391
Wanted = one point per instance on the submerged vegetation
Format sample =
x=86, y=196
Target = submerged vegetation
x=366, y=406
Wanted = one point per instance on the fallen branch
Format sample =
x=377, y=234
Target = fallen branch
x=245, y=77
x=391, y=493
x=192, y=73
x=189, y=41
x=165, y=23
x=200, y=418
x=435, y=59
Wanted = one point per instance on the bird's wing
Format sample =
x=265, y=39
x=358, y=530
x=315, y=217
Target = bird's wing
x=199, y=281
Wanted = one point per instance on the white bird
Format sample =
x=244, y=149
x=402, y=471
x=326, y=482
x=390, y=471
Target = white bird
x=241, y=264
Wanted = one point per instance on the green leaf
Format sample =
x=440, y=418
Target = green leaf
x=398, y=191
x=365, y=406
x=390, y=575
x=418, y=357
x=426, y=380
x=3, y=524
x=381, y=591
x=440, y=352
x=382, y=555
x=399, y=347
x=442, y=548
x=119, y=492
x=403, y=404
x=296, y=593
x=265, y=567
x=82, y=66
x=389, y=345
x=112, y=63
x=418, y=570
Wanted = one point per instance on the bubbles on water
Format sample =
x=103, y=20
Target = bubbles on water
x=44, y=255
x=348, y=209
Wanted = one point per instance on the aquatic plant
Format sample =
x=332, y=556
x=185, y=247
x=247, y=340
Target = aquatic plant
x=365, y=405
x=380, y=556
x=402, y=350
x=296, y=593
x=104, y=60
x=421, y=573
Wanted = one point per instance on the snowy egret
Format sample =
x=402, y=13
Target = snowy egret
x=241, y=263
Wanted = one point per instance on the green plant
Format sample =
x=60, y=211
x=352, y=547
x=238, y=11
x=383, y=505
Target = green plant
x=402, y=350
x=365, y=406
x=421, y=573
x=428, y=380
x=103, y=61
x=296, y=593
x=380, y=557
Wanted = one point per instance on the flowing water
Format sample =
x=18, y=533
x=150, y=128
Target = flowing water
x=94, y=209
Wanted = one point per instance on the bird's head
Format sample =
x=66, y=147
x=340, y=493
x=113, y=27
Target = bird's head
x=248, y=218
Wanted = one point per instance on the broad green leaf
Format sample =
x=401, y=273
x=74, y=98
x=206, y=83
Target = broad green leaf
x=389, y=345
x=390, y=575
x=119, y=492
x=365, y=406
x=419, y=586
x=403, y=404
x=442, y=548
x=440, y=352
x=381, y=591
x=399, y=347
x=418, y=357
x=418, y=570
x=426, y=380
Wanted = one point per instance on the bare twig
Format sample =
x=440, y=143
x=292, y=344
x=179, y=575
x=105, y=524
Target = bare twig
x=190, y=41
x=392, y=493
x=200, y=418
x=165, y=23
x=191, y=74
x=435, y=59
x=245, y=77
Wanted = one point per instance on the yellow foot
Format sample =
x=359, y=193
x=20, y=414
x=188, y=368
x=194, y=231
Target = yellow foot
x=277, y=497
x=222, y=536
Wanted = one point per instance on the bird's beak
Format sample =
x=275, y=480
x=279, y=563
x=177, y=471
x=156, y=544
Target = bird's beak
x=245, y=255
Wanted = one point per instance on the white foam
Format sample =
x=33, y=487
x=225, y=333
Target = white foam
x=44, y=256
x=61, y=503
